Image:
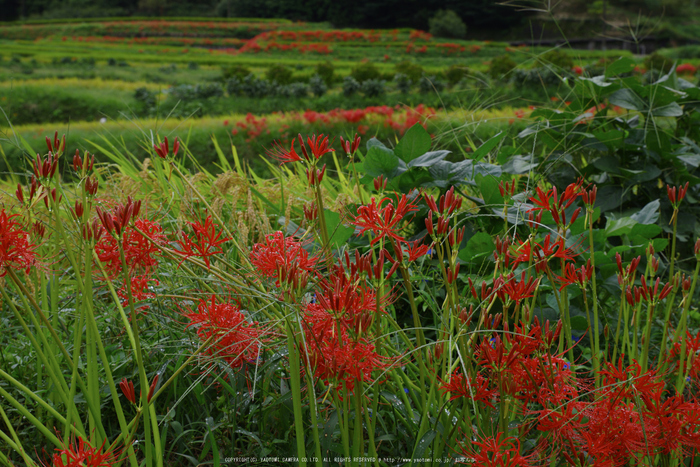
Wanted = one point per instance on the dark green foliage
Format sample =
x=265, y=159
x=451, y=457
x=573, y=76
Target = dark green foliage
x=235, y=71
x=412, y=70
x=326, y=71
x=428, y=84
x=501, y=66
x=279, y=74
x=146, y=97
x=658, y=62
x=557, y=58
x=403, y=83
x=317, y=85
x=455, y=74
x=364, y=71
x=373, y=87
x=350, y=86
x=447, y=24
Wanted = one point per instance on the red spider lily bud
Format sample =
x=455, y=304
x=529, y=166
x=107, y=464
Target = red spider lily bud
x=497, y=321
x=665, y=291
x=45, y=168
x=163, y=149
x=451, y=276
x=654, y=265
x=91, y=185
x=355, y=143
x=380, y=183
x=631, y=297
x=575, y=215
x=618, y=258
x=430, y=201
x=606, y=332
x=634, y=264
x=671, y=193
x=78, y=210
x=310, y=211
x=39, y=229
x=442, y=225
x=19, y=194
x=106, y=219
x=77, y=161
x=465, y=317
x=56, y=146
x=345, y=145
x=438, y=351
x=473, y=290
x=429, y=224
x=460, y=235
x=555, y=216
x=127, y=388
x=451, y=237
x=506, y=188
x=686, y=282
x=696, y=248
x=650, y=250
x=590, y=196
x=92, y=230
x=51, y=194
x=152, y=387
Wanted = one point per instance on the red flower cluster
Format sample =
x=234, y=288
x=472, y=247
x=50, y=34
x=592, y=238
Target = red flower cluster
x=205, y=243
x=16, y=252
x=236, y=340
x=384, y=219
x=140, y=252
x=80, y=454
x=283, y=259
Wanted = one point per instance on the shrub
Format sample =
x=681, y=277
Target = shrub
x=403, y=83
x=279, y=74
x=146, y=97
x=235, y=71
x=208, y=90
x=233, y=86
x=318, y=85
x=365, y=71
x=448, y=24
x=254, y=87
x=350, y=86
x=410, y=69
x=557, y=58
x=501, y=65
x=326, y=71
x=656, y=61
x=298, y=90
x=373, y=87
x=429, y=84
x=193, y=66
x=455, y=74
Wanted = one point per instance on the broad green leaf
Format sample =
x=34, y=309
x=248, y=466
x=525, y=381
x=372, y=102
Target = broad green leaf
x=383, y=161
x=428, y=159
x=579, y=323
x=627, y=99
x=649, y=214
x=480, y=244
x=670, y=110
x=414, y=143
x=489, y=190
x=488, y=146
x=338, y=233
x=646, y=231
x=619, y=227
x=518, y=165
x=623, y=65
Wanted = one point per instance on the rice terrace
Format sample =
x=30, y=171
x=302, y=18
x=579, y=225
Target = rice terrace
x=331, y=233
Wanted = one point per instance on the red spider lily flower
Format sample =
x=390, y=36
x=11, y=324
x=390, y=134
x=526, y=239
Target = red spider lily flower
x=339, y=361
x=651, y=294
x=16, y=252
x=139, y=290
x=237, y=340
x=515, y=290
x=506, y=188
x=476, y=389
x=646, y=385
x=318, y=146
x=415, y=250
x=91, y=185
x=497, y=452
x=140, y=252
x=691, y=358
x=80, y=454
x=283, y=259
x=576, y=276
x=152, y=387
x=205, y=243
x=127, y=388
x=283, y=156
x=163, y=149
x=383, y=219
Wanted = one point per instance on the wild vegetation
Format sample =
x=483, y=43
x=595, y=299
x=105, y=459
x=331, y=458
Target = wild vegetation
x=497, y=270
